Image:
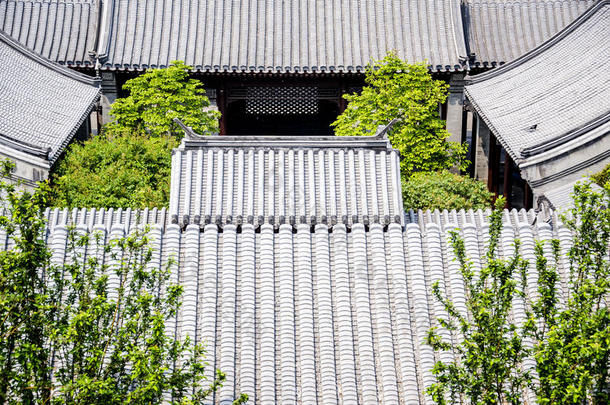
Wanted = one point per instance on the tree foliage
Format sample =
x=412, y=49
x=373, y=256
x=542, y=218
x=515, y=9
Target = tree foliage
x=490, y=351
x=603, y=177
x=568, y=328
x=157, y=97
x=407, y=92
x=444, y=190
x=573, y=344
x=24, y=355
x=115, y=170
x=89, y=331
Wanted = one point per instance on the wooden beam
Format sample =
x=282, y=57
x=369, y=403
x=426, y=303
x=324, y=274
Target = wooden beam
x=342, y=101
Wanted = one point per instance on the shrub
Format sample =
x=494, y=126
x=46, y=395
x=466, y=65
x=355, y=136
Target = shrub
x=90, y=330
x=115, y=170
x=444, y=190
x=603, y=177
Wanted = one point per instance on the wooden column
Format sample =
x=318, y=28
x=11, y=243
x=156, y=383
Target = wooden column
x=493, y=169
x=482, y=151
x=110, y=90
x=473, y=147
x=342, y=101
x=508, y=177
x=528, y=197
x=454, y=107
x=222, y=107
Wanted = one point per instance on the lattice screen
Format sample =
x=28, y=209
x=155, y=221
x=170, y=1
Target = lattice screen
x=282, y=100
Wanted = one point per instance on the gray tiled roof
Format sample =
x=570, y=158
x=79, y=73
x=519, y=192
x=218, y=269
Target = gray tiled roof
x=286, y=180
x=477, y=217
x=61, y=30
x=316, y=314
x=42, y=104
x=500, y=31
x=560, y=198
x=554, y=94
x=88, y=217
x=283, y=36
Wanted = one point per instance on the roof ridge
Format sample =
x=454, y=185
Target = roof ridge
x=54, y=1
x=287, y=141
x=63, y=70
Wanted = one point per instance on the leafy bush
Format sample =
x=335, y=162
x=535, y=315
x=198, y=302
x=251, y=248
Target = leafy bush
x=489, y=345
x=115, y=170
x=566, y=328
x=444, y=190
x=572, y=347
x=602, y=178
x=408, y=93
x=130, y=164
x=89, y=330
x=157, y=97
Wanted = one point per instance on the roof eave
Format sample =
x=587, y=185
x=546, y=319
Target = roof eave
x=63, y=70
x=541, y=48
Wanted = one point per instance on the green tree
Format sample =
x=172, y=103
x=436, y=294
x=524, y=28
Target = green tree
x=444, y=190
x=603, y=177
x=570, y=332
x=490, y=347
x=24, y=355
x=114, y=170
x=157, y=97
x=71, y=336
x=406, y=92
x=573, y=340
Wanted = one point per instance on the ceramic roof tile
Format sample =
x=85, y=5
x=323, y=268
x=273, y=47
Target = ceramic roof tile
x=286, y=180
x=307, y=314
x=552, y=95
x=42, y=104
x=283, y=36
x=560, y=198
x=61, y=30
x=500, y=31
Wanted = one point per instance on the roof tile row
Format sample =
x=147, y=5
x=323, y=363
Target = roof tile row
x=285, y=181
x=547, y=96
x=42, y=104
x=285, y=37
x=62, y=31
x=308, y=315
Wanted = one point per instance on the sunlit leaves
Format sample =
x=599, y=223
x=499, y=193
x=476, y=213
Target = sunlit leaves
x=573, y=349
x=115, y=171
x=489, y=347
x=157, y=97
x=569, y=333
x=444, y=190
x=93, y=329
x=406, y=92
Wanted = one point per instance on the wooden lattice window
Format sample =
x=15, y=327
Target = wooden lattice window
x=285, y=100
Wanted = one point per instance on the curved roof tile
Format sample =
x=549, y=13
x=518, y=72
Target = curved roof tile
x=63, y=31
x=502, y=30
x=283, y=36
x=42, y=104
x=305, y=314
x=552, y=95
x=279, y=180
